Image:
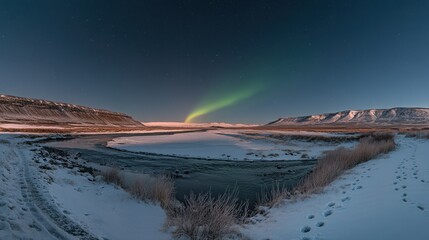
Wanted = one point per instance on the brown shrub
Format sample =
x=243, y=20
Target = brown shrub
x=203, y=216
x=164, y=191
x=154, y=189
x=111, y=175
x=273, y=196
x=335, y=162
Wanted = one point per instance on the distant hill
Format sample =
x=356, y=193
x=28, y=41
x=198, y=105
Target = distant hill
x=28, y=111
x=197, y=125
x=370, y=117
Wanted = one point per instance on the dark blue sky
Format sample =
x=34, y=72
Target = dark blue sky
x=158, y=60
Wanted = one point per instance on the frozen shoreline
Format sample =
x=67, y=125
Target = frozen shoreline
x=226, y=145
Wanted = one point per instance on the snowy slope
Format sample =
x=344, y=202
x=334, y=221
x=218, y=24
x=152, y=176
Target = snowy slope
x=62, y=203
x=385, y=198
x=393, y=116
x=28, y=111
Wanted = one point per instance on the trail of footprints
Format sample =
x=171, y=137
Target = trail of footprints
x=405, y=174
x=330, y=207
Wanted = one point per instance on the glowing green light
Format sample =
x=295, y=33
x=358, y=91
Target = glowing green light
x=222, y=102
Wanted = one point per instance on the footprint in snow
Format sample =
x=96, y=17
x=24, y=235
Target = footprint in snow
x=306, y=229
x=34, y=225
x=421, y=208
x=331, y=204
x=327, y=213
x=345, y=199
x=310, y=217
x=320, y=224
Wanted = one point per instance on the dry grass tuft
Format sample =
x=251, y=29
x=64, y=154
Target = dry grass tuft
x=111, y=175
x=156, y=189
x=203, y=216
x=164, y=191
x=159, y=189
x=335, y=162
x=274, y=196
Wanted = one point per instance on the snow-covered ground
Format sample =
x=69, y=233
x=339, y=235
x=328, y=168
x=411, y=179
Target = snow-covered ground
x=39, y=200
x=385, y=198
x=227, y=145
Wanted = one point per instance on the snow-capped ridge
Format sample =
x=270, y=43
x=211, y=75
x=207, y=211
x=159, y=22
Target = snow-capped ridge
x=393, y=116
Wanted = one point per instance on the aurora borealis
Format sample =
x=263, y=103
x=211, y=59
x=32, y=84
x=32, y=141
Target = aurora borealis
x=222, y=101
x=162, y=60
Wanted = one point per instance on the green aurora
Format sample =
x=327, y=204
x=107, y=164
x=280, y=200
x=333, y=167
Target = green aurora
x=224, y=101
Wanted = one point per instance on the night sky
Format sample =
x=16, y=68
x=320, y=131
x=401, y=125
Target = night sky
x=232, y=61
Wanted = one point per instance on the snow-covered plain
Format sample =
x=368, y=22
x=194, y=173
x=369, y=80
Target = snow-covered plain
x=226, y=145
x=61, y=203
x=385, y=198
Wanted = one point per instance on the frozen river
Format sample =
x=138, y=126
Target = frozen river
x=190, y=174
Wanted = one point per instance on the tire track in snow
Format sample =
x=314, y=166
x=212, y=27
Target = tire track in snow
x=43, y=207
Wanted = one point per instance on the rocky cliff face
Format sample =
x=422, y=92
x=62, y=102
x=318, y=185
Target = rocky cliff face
x=392, y=116
x=18, y=110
